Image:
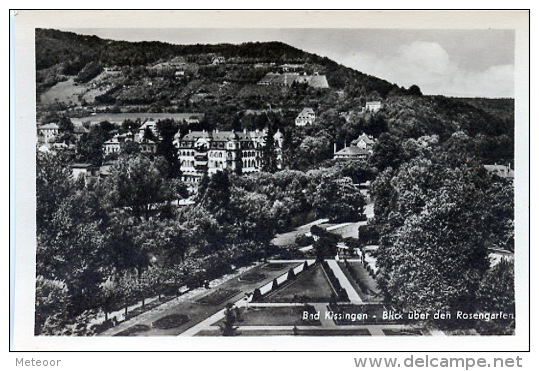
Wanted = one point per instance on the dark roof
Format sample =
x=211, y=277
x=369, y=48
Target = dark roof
x=52, y=125
x=352, y=151
x=82, y=165
x=80, y=129
x=222, y=136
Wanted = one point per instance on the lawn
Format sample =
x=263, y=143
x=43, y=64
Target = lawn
x=218, y=296
x=275, y=316
x=309, y=286
x=274, y=266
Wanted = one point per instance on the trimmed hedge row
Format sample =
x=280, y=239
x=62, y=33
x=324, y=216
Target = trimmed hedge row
x=342, y=295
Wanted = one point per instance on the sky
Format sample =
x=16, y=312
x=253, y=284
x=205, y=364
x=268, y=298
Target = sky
x=463, y=63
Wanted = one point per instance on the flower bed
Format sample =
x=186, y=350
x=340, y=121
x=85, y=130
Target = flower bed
x=171, y=321
x=252, y=277
x=133, y=330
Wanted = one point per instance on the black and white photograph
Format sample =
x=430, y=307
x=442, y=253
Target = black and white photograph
x=286, y=182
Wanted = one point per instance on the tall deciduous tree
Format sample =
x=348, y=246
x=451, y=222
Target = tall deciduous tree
x=137, y=183
x=89, y=148
x=438, y=254
x=167, y=130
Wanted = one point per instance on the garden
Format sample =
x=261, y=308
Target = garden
x=309, y=286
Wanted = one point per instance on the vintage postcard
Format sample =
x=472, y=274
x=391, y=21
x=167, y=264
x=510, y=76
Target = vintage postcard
x=270, y=180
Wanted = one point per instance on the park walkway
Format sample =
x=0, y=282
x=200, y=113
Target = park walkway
x=352, y=293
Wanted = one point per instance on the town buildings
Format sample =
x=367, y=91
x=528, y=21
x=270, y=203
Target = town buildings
x=207, y=152
x=146, y=145
x=287, y=79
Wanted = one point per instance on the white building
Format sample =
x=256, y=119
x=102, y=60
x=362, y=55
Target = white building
x=373, y=106
x=360, y=149
x=306, y=117
x=149, y=124
x=84, y=170
x=203, y=152
x=47, y=132
x=503, y=171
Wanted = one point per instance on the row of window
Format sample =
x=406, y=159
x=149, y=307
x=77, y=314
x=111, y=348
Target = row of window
x=221, y=145
x=220, y=154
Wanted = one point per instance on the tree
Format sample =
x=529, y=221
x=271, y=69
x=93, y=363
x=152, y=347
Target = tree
x=367, y=235
x=324, y=248
x=437, y=256
x=89, y=148
x=496, y=291
x=107, y=126
x=167, y=130
x=136, y=183
x=53, y=185
x=214, y=191
x=149, y=135
x=415, y=90
x=386, y=152
x=338, y=200
x=70, y=248
x=51, y=302
x=269, y=156
x=129, y=148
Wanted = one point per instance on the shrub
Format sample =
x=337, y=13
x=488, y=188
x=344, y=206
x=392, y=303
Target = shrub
x=303, y=240
x=291, y=275
x=257, y=295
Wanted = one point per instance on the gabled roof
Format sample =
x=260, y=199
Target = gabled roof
x=80, y=129
x=363, y=137
x=52, y=125
x=307, y=111
x=221, y=136
x=82, y=165
x=352, y=151
x=114, y=140
x=148, y=124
